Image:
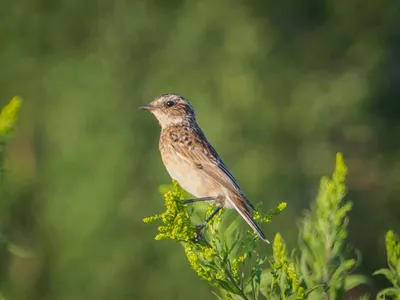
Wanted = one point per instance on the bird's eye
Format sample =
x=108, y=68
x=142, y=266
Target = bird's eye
x=170, y=103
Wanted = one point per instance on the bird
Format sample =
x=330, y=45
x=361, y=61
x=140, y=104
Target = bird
x=193, y=162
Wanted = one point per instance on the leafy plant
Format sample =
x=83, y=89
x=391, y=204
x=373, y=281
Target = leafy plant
x=393, y=272
x=325, y=263
x=235, y=266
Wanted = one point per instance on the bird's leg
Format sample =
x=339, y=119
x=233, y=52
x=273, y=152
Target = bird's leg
x=216, y=210
x=201, y=226
x=187, y=201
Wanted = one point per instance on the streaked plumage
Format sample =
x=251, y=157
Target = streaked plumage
x=191, y=160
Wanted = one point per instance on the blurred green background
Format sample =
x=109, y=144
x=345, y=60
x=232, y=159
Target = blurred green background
x=279, y=87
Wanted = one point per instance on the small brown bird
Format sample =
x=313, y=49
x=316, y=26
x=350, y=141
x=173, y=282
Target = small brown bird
x=191, y=160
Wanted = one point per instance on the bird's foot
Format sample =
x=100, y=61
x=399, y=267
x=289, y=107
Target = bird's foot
x=199, y=236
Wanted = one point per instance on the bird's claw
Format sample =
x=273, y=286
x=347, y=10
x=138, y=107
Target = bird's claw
x=198, y=236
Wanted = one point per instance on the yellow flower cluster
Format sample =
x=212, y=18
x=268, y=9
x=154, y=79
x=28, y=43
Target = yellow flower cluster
x=177, y=225
x=268, y=218
x=9, y=116
x=281, y=262
x=210, y=257
x=200, y=257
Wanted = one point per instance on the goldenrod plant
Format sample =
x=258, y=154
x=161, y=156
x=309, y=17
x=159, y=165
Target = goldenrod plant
x=321, y=268
x=325, y=261
x=232, y=266
x=392, y=273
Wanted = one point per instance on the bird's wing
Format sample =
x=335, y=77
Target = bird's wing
x=206, y=159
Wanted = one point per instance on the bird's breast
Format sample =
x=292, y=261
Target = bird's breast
x=189, y=176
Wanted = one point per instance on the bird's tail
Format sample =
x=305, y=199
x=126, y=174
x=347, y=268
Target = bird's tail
x=241, y=208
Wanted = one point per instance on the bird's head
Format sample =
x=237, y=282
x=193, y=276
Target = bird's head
x=171, y=109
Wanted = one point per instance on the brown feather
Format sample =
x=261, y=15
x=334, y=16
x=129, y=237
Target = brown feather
x=200, y=152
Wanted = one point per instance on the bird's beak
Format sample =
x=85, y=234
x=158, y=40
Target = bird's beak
x=146, y=107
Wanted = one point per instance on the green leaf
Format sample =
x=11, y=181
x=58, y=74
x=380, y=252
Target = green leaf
x=388, y=292
x=266, y=280
x=385, y=272
x=353, y=281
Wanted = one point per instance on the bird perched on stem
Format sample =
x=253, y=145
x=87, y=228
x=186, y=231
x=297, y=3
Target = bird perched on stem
x=191, y=160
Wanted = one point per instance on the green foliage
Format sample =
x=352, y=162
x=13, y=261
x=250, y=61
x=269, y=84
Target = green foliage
x=393, y=272
x=324, y=263
x=236, y=267
x=322, y=268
